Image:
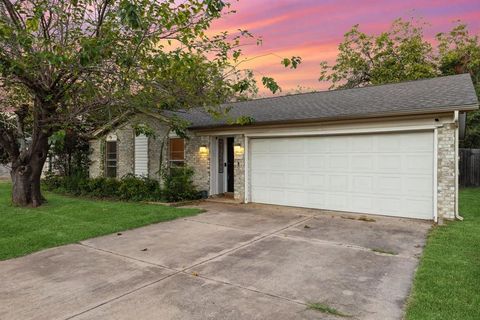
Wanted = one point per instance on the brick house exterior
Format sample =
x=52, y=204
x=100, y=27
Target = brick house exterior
x=233, y=170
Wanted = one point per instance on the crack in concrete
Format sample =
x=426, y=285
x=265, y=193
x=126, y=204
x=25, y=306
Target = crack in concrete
x=341, y=245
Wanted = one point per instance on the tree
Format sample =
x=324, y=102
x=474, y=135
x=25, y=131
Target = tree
x=398, y=54
x=402, y=54
x=459, y=52
x=69, y=153
x=69, y=62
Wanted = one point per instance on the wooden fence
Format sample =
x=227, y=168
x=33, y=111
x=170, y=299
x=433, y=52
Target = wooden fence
x=469, y=168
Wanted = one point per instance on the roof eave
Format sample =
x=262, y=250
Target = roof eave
x=468, y=107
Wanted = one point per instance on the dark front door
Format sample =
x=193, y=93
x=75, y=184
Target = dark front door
x=230, y=164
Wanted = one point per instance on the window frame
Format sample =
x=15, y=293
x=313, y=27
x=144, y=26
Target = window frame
x=108, y=167
x=175, y=162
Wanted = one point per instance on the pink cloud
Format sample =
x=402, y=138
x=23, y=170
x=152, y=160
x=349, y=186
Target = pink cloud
x=313, y=29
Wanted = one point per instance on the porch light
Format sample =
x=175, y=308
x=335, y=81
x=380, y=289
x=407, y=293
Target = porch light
x=203, y=150
x=238, y=149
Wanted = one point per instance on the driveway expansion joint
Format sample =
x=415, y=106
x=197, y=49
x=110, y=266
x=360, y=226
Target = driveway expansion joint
x=184, y=270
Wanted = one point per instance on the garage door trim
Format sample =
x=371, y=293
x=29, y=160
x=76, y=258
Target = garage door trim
x=248, y=137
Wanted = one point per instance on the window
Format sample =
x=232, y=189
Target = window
x=111, y=159
x=177, y=151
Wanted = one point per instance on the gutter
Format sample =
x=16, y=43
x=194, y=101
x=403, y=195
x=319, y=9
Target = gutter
x=406, y=112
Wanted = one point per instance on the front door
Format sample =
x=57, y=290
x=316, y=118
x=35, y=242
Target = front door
x=230, y=164
x=225, y=164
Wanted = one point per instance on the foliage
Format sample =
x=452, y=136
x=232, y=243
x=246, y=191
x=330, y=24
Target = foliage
x=69, y=153
x=396, y=55
x=459, y=52
x=82, y=62
x=129, y=188
x=64, y=220
x=134, y=188
x=448, y=277
x=402, y=54
x=178, y=184
x=271, y=84
x=4, y=159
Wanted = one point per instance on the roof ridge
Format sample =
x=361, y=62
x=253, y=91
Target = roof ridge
x=346, y=89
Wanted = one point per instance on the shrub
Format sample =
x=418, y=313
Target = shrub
x=178, y=183
x=178, y=186
x=136, y=189
x=129, y=188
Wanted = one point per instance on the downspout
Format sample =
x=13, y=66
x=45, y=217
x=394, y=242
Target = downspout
x=455, y=119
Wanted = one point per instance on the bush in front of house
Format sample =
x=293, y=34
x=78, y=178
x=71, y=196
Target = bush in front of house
x=178, y=184
x=129, y=188
x=134, y=188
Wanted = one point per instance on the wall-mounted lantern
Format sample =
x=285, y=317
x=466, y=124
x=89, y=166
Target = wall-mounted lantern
x=203, y=150
x=238, y=150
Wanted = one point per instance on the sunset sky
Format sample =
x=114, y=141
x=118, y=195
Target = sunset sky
x=313, y=29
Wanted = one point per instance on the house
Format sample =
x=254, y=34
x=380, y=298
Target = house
x=387, y=149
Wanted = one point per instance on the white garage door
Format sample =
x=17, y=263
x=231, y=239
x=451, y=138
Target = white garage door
x=387, y=174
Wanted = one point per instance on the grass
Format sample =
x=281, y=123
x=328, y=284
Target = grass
x=326, y=309
x=447, y=283
x=66, y=220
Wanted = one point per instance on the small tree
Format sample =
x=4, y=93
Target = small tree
x=64, y=62
x=395, y=55
x=459, y=52
x=402, y=54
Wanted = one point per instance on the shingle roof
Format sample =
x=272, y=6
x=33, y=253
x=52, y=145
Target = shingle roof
x=421, y=96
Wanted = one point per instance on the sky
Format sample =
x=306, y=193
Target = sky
x=312, y=29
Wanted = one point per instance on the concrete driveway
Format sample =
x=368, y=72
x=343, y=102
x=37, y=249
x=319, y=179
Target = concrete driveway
x=232, y=262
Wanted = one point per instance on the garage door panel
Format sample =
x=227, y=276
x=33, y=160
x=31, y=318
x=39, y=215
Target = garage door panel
x=362, y=203
x=416, y=185
x=296, y=198
x=390, y=185
x=413, y=207
x=276, y=179
x=418, y=163
x=316, y=162
x=296, y=180
x=361, y=184
x=318, y=146
x=340, y=144
x=338, y=163
x=338, y=183
x=316, y=199
x=337, y=202
x=388, y=174
x=422, y=143
x=316, y=181
x=362, y=143
x=387, y=144
x=362, y=163
x=389, y=163
x=391, y=205
x=296, y=161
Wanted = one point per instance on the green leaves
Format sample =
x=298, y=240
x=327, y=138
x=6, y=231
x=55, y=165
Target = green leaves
x=292, y=63
x=395, y=55
x=32, y=24
x=271, y=84
x=129, y=14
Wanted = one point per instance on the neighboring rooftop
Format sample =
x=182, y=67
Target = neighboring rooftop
x=413, y=97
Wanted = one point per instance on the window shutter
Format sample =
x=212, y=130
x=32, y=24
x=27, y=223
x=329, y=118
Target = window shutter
x=141, y=155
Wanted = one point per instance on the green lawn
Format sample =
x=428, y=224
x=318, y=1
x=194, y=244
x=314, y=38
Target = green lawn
x=447, y=283
x=66, y=220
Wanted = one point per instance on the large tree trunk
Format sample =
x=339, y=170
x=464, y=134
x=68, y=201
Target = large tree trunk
x=26, y=173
